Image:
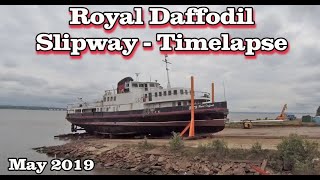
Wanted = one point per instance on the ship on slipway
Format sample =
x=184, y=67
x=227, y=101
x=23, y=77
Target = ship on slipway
x=146, y=108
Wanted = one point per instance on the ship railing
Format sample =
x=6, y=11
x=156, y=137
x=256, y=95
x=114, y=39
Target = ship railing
x=111, y=92
x=83, y=105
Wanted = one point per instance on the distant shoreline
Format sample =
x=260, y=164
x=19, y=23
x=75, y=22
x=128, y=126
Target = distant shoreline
x=32, y=108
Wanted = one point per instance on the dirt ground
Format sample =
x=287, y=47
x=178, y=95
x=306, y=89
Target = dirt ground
x=269, y=137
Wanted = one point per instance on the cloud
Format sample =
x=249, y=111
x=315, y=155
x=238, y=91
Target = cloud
x=264, y=84
x=21, y=79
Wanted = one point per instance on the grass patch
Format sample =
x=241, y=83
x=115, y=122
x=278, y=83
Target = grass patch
x=176, y=142
x=304, y=168
x=297, y=154
x=256, y=148
x=145, y=144
x=216, y=148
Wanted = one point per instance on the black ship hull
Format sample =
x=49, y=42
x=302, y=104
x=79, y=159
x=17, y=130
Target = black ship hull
x=156, y=122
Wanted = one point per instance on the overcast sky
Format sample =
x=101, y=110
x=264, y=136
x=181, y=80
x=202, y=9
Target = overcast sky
x=264, y=84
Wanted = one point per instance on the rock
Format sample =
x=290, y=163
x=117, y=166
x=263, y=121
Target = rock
x=243, y=165
x=133, y=169
x=215, y=170
x=138, y=155
x=190, y=172
x=225, y=173
x=205, y=159
x=129, y=154
x=225, y=167
x=256, y=173
x=175, y=167
x=156, y=167
x=252, y=170
x=167, y=167
x=264, y=164
x=239, y=171
x=108, y=164
x=141, y=166
x=229, y=172
x=215, y=164
x=196, y=158
x=205, y=168
x=152, y=157
x=248, y=167
x=158, y=173
x=188, y=164
x=161, y=159
x=146, y=170
x=184, y=164
x=116, y=165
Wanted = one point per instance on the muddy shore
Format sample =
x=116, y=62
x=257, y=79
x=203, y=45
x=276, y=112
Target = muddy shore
x=154, y=156
x=156, y=160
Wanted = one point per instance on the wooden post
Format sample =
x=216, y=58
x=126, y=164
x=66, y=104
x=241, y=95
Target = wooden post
x=212, y=92
x=191, y=130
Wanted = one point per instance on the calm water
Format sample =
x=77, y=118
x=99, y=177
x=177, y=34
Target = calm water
x=22, y=130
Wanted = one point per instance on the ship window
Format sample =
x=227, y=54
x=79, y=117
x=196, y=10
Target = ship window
x=181, y=91
x=155, y=94
x=146, y=95
x=145, y=85
x=175, y=92
x=150, y=96
x=104, y=99
x=140, y=85
x=179, y=103
x=111, y=98
x=185, y=103
x=114, y=98
x=108, y=99
x=186, y=91
x=160, y=93
x=151, y=85
x=134, y=85
x=169, y=93
x=164, y=93
x=146, y=89
x=173, y=103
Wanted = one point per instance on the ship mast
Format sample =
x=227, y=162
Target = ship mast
x=137, y=76
x=167, y=62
